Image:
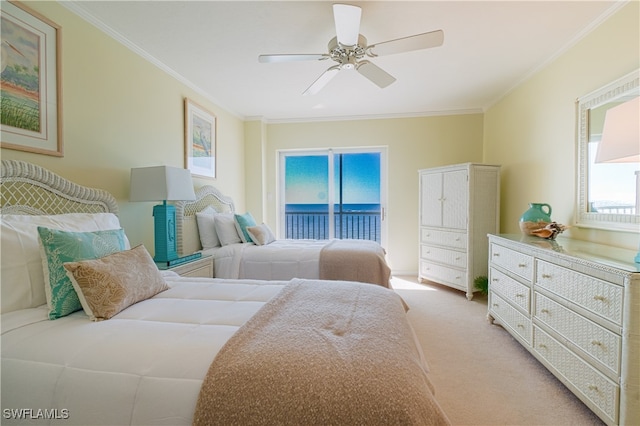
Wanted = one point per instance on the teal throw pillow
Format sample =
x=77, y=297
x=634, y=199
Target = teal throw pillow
x=58, y=247
x=243, y=221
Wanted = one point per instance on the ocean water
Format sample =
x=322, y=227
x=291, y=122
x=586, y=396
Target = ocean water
x=324, y=208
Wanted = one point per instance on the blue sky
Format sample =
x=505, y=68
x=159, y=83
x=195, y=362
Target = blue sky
x=306, y=179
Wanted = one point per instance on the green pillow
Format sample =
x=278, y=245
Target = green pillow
x=243, y=221
x=58, y=247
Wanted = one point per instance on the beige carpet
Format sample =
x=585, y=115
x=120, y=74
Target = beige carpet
x=481, y=374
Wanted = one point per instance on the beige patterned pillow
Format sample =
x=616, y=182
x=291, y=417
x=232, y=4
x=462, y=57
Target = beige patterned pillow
x=261, y=234
x=112, y=283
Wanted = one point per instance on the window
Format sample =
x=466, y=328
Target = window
x=332, y=194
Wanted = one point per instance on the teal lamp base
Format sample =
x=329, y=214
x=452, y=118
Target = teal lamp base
x=165, y=232
x=638, y=257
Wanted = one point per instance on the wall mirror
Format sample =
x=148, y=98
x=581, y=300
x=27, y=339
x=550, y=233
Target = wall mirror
x=607, y=192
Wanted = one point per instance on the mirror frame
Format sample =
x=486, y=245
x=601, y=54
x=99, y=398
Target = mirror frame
x=585, y=218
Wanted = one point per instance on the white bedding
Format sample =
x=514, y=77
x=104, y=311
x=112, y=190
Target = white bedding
x=281, y=260
x=144, y=366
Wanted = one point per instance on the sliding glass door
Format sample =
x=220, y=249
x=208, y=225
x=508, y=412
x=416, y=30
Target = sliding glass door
x=333, y=194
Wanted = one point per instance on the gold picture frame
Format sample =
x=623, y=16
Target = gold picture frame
x=30, y=82
x=199, y=140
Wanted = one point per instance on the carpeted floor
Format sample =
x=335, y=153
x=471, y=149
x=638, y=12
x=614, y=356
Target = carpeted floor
x=481, y=374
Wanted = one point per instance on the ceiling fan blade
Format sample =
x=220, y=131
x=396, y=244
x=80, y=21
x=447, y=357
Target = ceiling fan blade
x=347, y=18
x=407, y=44
x=292, y=57
x=322, y=81
x=374, y=73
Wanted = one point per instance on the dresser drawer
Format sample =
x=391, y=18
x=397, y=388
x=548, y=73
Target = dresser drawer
x=442, y=255
x=591, y=385
x=443, y=238
x=602, y=344
x=439, y=273
x=510, y=317
x=510, y=289
x=600, y=297
x=512, y=261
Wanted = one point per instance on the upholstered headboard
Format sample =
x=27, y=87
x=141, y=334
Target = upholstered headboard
x=26, y=188
x=186, y=224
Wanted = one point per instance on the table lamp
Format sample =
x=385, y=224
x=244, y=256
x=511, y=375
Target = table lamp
x=162, y=183
x=620, y=141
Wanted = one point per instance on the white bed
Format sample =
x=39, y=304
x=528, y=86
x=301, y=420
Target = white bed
x=344, y=355
x=281, y=259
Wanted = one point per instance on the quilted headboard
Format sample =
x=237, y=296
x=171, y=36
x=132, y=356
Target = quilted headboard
x=26, y=188
x=186, y=224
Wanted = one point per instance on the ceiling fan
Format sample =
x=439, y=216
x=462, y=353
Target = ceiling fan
x=349, y=47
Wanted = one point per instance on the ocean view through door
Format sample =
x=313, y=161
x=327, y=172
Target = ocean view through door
x=332, y=194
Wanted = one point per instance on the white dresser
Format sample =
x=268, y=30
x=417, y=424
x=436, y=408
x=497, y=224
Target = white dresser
x=575, y=306
x=459, y=206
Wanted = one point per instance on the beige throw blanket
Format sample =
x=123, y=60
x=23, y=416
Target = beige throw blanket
x=354, y=260
x=321, y=353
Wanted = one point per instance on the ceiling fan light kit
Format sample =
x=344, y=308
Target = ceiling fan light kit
x=349, y=47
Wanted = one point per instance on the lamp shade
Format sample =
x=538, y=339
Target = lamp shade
x=621, y=134
x=161, y=183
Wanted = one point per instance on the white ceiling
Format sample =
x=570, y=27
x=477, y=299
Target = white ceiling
x=489, y=48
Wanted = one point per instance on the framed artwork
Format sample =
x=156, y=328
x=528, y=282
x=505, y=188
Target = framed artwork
x=199, y=140
x=30, y=81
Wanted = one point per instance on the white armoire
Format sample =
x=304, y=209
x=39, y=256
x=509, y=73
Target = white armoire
x=459, y=206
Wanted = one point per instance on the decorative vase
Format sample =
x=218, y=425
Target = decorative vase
x=538, y=216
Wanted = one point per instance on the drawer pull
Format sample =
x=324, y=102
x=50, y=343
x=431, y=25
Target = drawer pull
x=521, y=326
x=545, y=311
x=458, y=239
x=594, y=388
x=495, y=305
x=522, y=265
x=496, y=254
x=596, y=343
x=542, y=345
x=495, y=279
x=600, y=298
x=546, y=275
x=519, y=295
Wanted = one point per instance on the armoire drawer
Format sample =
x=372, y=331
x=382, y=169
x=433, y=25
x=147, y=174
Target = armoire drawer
x=510, y=316
x=589, y=382
x=512, y=290
x=442, y=255
x=513, y=261
x=600, y=297
x=439, y=273
x=443, y=238
x=597, y=341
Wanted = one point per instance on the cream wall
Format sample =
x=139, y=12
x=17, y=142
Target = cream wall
x=412, y=144
x=532, y=130
x=120, y=111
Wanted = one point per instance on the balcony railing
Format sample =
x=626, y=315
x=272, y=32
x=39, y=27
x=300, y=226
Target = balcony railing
x=355, y=225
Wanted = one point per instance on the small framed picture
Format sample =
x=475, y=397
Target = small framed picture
x=30, y=78
x=199, y=140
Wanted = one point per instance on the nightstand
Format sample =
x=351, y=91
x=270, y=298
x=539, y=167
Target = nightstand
x=202, y=267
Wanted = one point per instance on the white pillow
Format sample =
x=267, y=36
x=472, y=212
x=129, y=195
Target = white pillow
x=225, y=224
x=22, y=278
x=207, y=229
x=261, y=234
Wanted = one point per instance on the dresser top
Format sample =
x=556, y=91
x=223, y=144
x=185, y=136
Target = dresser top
x=607, y=255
